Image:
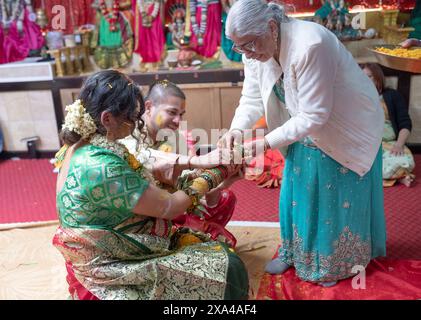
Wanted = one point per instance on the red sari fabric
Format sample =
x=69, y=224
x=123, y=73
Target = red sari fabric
x=215, y=222
x=149, y=42
x=16, y=46
x=273, y=167
x=273, y=164
x=12, y=45
x=214, y=225
x=78, y=12
x=212, y=38
x=76, y=290
x=386, y=279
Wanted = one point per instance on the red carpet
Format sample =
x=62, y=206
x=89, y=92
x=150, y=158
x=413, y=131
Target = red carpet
x=254, y=203
x=27, y=191
x=27, y=194
x=385, y=279
x=402, y=208
x=394, y=278
x=403, y=218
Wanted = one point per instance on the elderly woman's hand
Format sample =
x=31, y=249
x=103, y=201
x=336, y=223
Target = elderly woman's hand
x=255, y=147
x=230, y=139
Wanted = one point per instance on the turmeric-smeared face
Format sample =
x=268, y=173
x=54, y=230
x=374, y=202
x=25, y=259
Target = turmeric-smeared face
x=166, y=115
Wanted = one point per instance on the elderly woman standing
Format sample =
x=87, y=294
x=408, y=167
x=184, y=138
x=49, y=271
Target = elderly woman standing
x=331, y=202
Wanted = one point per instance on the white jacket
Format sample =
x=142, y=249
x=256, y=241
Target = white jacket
x=327, y=95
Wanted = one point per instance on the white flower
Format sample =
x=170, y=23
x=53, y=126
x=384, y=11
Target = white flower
x=79, y=121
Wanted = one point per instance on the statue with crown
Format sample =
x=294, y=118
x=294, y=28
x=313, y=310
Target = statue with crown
x=335, y=16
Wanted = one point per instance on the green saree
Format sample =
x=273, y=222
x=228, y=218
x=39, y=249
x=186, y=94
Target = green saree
x=116, y=254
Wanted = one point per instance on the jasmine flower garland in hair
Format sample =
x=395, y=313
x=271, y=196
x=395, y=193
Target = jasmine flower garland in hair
x=79, y=121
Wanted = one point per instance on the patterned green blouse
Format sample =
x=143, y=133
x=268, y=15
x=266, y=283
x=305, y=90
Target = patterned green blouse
x=100, y=190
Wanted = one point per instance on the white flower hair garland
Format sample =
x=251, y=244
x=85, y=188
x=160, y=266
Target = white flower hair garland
x=79, y=121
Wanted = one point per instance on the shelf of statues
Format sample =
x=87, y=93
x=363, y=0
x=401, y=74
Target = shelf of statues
x=186, y=59
x=356, y=23
x=71, y=60
x=390, y=16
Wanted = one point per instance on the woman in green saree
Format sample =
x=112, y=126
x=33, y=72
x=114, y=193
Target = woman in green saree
x=115, y=228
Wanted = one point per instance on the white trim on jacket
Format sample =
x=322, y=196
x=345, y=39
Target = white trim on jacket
x=327, y=95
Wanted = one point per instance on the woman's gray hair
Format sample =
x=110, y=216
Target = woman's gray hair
x=251, y=17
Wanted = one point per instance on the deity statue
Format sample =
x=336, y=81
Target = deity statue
x=77, y=13
x=19, y=34
x=113, y=36
x=204, y=26
x=335, y=16
x=177, y=27
x=149, y=32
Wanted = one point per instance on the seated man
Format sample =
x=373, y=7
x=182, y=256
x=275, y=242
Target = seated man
x=165, y=106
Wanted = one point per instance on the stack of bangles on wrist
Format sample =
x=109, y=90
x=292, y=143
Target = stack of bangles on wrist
x=206, y=181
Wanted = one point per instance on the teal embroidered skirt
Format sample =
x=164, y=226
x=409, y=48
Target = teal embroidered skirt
x=331, y=218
